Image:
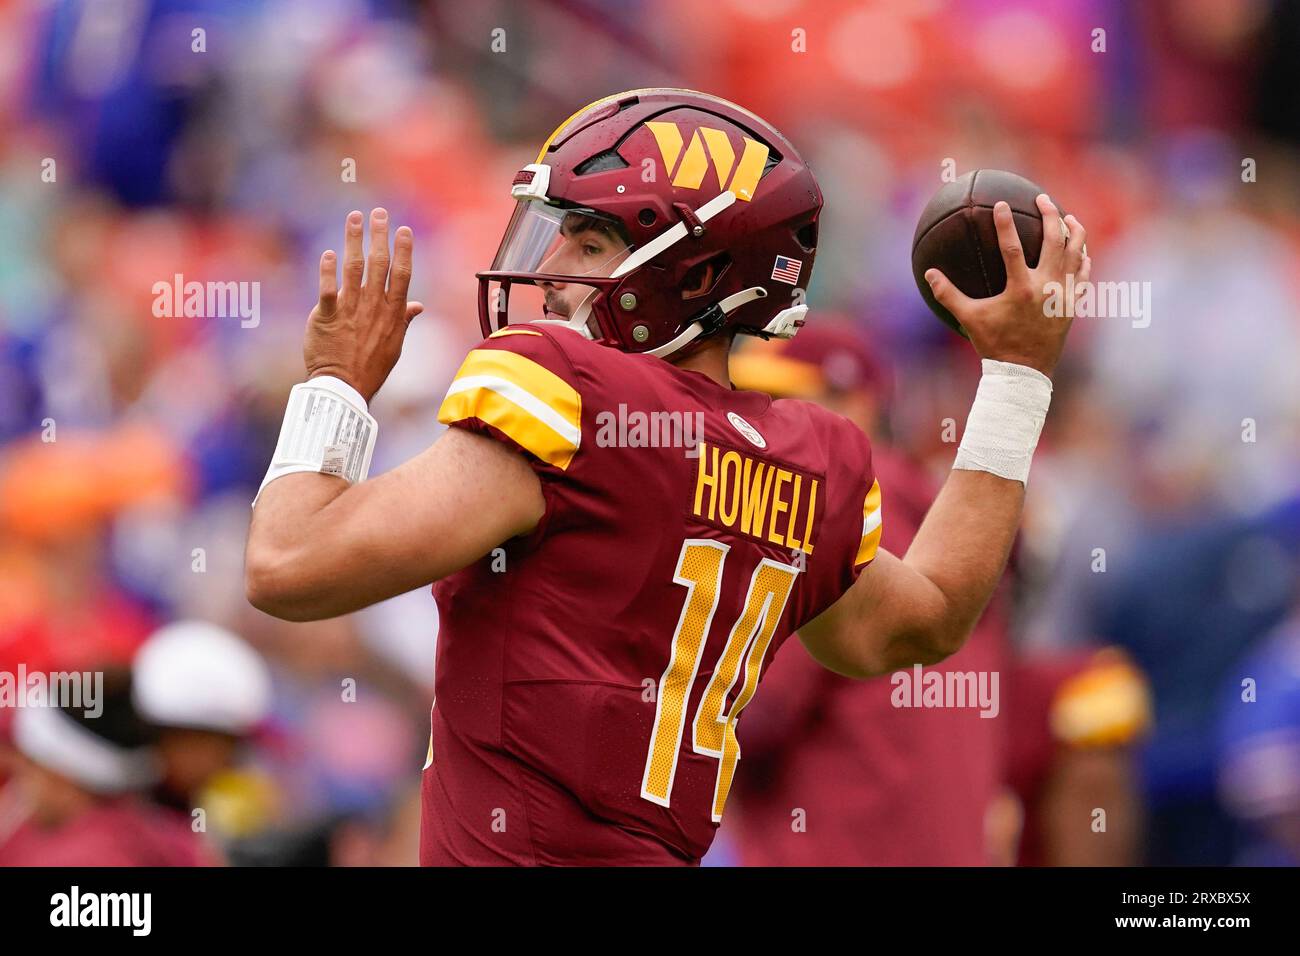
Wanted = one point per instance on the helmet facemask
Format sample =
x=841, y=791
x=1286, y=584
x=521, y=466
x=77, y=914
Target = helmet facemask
x=567, y=254
x=545, y=246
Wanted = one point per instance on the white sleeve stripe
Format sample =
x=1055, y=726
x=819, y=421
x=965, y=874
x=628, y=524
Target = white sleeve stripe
x=524, y=399
x=871, y=522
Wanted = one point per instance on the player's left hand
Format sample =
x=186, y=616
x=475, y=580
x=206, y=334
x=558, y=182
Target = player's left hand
x=357, y=334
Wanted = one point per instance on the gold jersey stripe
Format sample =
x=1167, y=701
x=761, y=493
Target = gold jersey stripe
x=871, y=525
x=536, y=408
x=512, y=330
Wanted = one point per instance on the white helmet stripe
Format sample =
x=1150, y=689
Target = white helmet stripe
x=673, y=234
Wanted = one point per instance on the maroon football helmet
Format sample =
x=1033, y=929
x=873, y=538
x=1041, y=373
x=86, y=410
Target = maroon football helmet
x=701, y=194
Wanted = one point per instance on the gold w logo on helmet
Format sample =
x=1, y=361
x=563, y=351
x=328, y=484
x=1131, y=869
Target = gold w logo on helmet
x=710, y=144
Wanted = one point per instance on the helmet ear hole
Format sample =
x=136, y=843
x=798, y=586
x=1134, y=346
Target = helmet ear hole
x=646, y=217
x=806, y=236
x=702, y=278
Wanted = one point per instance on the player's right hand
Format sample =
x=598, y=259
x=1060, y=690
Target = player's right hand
x=356, y=335
x=1015, y=325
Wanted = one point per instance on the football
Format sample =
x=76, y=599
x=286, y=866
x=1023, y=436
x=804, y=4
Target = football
x=956, y=234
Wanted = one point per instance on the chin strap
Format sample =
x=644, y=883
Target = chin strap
x=710, y=321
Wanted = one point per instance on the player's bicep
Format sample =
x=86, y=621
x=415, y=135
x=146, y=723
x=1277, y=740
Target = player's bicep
x=447, y=507
x=881, y=623
x=428, y=518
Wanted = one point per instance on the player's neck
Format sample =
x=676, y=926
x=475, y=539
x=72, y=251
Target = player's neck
x=710, y=359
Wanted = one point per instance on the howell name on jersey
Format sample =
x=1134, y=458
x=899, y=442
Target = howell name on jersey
x=757, y=498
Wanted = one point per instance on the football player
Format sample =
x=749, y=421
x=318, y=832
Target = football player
x=619, y=539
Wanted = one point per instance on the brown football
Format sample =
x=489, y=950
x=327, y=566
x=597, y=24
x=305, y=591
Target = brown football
x=956, y=235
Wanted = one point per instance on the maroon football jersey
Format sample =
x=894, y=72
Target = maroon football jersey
x=590, y=674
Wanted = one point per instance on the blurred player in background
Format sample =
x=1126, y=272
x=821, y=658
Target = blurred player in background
x=78, y=793
x=205, y=691
x=881, y=785
x=1258, y=749
x=1073, y=720
x=877, y=785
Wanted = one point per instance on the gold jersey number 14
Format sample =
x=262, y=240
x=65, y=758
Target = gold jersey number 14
x=713, y=731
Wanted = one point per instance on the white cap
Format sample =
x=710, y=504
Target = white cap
x=196, y=674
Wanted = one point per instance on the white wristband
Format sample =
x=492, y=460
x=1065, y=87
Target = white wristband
x=1005, y=421
x=327, y=428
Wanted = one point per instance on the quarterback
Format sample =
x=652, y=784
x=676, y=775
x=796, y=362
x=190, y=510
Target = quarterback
x=608, y=607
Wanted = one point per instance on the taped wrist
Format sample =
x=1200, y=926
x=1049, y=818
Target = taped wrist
x=327, y=428
x=1005, y=421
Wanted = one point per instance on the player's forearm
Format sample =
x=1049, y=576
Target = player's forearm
x=962, y=545
x=326, y=549
x=962, y=548
x=921, y=609
x=319, y=548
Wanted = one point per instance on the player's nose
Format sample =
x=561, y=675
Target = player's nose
x=557, y=263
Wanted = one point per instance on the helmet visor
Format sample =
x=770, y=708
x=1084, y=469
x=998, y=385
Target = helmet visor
x=542, y=238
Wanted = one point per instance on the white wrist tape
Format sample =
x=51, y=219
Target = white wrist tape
x=327, y=428
x=1005, y=421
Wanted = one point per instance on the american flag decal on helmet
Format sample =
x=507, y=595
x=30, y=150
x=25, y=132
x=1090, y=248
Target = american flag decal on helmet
x=786, y=269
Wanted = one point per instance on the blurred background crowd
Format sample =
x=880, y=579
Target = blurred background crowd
x=1147, y=636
